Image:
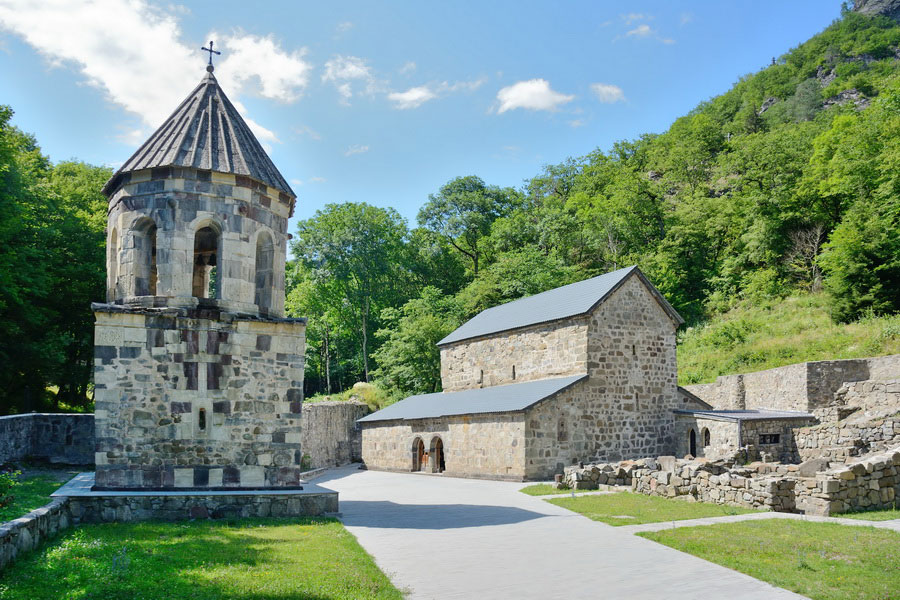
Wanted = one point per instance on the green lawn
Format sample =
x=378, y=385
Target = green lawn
x=545, y=489
x=29, y=494
x=626, y=508
x=824, y=561
x=314, y=559
x=873, y=515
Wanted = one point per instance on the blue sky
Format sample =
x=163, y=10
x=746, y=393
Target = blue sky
x=384, y=102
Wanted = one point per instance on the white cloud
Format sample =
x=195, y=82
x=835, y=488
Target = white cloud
x=344, y=71
x=608, y=93
x=574, y=124
x=248, y=58
x=356, y=149
x=297, y=182
x=417, y=96
x=141, y=64
x=317, y=180
x=686, y=18
x=408, y=67
x=634, y=17
x=307, y=130
x=344, y=27
x=642, y=30
x=411, y=98
x=534, y=94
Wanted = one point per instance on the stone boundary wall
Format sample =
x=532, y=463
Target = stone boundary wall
x=330, y=435
x=805, y=386
x=52, y=437
x=870, y=484
x=841, y=441
x=29, y=531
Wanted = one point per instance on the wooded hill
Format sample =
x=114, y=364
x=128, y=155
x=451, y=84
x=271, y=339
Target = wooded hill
x=785, y=184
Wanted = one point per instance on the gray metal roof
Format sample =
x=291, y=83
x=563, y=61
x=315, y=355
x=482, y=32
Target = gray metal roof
x=205, y=132
x=746, y=415
x=498, y=398
x=559, y=303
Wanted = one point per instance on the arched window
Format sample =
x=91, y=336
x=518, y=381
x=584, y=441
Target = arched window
x=706, y=437
x=143, y=237
x=692, y=443
x=207, y=279
x=418, y=454
x=201, y=419
x=265, y=276
x=437, y=455
x=113, y=266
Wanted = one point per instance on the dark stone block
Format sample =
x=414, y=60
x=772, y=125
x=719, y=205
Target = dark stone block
x=231, y=476
x=243, y=181
x=201, y=477
x=156, y=338
x=213, y=373
x=180, y=407
x=160, y=322
x=129, y=352
x=204, y=175
x=223, y=407
x=105, y=352
x=178, y=357
x=199, y=512
x=192, y=340
x=225, y=359
x=190, y=374
x=296, y=407
x=278, y=438
x=263, y=342
x=295, y=395
x=151, y=478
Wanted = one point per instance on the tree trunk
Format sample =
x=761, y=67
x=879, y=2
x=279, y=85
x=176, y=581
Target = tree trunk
x=365, y=357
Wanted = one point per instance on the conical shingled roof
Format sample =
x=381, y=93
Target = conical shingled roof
x=205, y=132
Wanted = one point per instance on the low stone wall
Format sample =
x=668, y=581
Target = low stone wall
x=843, y=440
x=330, y=435
x=50, y=437
x=27, y=532
x=870, y=484
x=591, y=477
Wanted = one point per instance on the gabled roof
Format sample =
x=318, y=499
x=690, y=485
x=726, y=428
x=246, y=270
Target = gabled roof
x=495, y=399
x=559, y=303
x=205, y=132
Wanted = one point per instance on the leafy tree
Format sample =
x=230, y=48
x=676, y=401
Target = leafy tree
x=462, y=212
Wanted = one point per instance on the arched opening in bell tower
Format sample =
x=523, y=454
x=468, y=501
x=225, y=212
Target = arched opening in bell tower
x=143, y=237
x=265, y=259
x=207, y=279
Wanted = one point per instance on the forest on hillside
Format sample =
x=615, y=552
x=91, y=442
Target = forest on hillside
x=789, y=181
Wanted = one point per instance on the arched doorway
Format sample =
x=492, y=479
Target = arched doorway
x=706, y=437
x=418, y=454
x=692, y=443
x=437, y=455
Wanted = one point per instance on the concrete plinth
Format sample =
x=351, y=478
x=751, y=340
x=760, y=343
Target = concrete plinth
x=89, y=506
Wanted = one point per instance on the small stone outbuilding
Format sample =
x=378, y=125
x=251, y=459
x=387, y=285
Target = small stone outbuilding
x=582, y=372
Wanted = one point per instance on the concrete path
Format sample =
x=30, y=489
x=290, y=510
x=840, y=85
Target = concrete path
x=893, y=524
x=442, y=538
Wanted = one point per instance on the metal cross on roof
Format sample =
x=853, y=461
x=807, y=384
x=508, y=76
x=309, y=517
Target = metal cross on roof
x=211, y=52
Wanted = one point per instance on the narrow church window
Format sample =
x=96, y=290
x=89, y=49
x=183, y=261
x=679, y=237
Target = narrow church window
x=481, y=376
x=265, y=251
x=201, y=419
x=561, y=434
x=514, y=372
x=633, y=350
x=144, y=257
x=113, y=262
x=706, y=437
x=207, y=279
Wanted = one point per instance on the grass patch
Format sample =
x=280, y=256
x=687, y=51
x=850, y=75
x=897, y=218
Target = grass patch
x=758, y=336
x=627, y=508
x=372, y=394
x=252, y=558
x=545, y=489
x=28, y=494
x=888, y=514
x=824, y=561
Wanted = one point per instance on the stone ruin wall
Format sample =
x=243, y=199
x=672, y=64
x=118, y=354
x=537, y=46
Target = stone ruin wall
x=330, y=435
x=54, y=438
x=548, y=350
x=843, y=441
x=194, y=400
x=483, y=445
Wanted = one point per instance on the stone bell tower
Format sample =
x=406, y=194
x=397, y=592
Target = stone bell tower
x=198, y=376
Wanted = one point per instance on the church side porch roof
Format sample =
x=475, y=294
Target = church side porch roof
x=495, y=399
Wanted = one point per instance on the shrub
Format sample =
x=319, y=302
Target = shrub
x=9, y=479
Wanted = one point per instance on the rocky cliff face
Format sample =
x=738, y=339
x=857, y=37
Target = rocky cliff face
x=890, y=8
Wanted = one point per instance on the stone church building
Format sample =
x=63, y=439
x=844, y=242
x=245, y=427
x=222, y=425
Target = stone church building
x=199, y=377
x=582, y=372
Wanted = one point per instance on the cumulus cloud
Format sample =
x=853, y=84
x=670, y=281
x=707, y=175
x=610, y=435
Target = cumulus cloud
x=417, y=96
x=408, y=67
x=634, y=17
x=309, y=131
x=574, y=124
x=344, y=27
x=642, y=30
x=411, y=98
x=141, y=64
x=608, y=93
x=534, y=94
x=345, y=71
x=356, y=149
x=317, y=180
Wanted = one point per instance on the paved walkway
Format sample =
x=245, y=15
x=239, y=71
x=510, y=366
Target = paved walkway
x=893, y=524
x=443, y=538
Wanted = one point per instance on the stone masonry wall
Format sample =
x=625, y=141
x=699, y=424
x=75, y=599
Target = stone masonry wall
x=486, y=445
x=844, y=440
x=29, y=531
x=330, y=434
x=723, y=436
x=55, y=438
x=549, y=350
x=872, y=483
x=195, y=399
